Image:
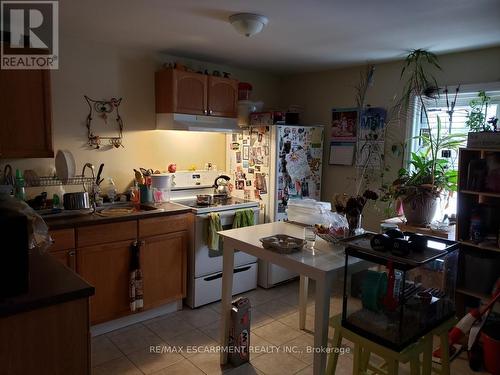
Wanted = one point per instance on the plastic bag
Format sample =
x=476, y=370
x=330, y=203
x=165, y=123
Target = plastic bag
x=38, y=231
x=334, y=226
x=307, y=211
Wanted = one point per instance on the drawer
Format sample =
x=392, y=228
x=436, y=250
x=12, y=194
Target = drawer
x=63, y=239
x=104, y=233
x=162, y=225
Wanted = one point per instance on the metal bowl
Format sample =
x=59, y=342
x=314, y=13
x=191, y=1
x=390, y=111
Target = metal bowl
x=76, y=201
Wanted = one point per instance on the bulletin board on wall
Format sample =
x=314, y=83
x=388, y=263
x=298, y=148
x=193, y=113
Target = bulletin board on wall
x=357, y=137
x=343, y=136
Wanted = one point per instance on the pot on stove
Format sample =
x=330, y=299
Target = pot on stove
x=203, y=199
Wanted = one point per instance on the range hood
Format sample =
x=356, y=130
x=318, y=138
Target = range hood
x=181, y=121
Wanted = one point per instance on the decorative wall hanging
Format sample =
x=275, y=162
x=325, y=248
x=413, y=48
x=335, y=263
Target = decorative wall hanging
x=103, y=108
x=371, y=136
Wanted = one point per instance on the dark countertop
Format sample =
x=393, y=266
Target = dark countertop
x=164, y=209
x=50, y=283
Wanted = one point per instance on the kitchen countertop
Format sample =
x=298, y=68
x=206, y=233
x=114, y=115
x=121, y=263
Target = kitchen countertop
x=164, y=209
x=50, y=283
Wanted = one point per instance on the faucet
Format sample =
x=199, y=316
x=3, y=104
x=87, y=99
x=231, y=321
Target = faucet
x=93, y=189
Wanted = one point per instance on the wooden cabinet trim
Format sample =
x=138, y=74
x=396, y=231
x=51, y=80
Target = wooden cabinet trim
x=39, y=146
x=54, y=340
x=63, y=239
x=191, y=107
x=222, y=106
x=163, y=225
x=150, y=261
x=106, y=233
x=66, y=257
x=196, y=102
x=106, y=267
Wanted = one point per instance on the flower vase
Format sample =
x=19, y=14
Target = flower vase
x=354, y=222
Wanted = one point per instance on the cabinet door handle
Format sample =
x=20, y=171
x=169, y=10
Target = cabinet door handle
x=72, y=259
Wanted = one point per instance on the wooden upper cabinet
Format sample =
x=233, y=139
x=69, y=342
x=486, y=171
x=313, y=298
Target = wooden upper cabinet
x=178, y=91
x=25, y=114
x=222, y=97
x=190, y=93
x=164, y=265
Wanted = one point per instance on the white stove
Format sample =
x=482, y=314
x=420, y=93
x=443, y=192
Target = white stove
x=204, y=264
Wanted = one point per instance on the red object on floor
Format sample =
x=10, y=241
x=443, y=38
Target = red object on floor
x=491, y=350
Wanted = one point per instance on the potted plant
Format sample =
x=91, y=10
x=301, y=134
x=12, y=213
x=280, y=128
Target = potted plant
x=483, y=130
x=429, y=174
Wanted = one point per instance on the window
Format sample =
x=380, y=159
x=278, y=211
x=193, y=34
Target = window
x=438, y=108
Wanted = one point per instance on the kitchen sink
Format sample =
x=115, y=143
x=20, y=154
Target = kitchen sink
x=108, y=209
x=126, y=205
x=122, y=209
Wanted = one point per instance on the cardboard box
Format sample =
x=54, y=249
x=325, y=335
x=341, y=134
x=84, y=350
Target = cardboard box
x=239, y=333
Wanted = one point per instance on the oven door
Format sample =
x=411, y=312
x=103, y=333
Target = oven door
x=209, y=261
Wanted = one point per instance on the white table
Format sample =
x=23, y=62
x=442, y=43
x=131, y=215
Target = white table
x=322, y=267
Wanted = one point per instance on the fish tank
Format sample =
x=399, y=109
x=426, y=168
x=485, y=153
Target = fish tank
x=394, y=297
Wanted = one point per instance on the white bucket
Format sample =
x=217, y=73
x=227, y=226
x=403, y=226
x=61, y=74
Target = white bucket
x=162, y=180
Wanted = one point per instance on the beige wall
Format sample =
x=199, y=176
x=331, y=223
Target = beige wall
x=102, y=71
x=319, y=92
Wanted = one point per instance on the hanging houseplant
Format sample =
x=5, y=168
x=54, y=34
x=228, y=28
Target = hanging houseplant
x=420, y=184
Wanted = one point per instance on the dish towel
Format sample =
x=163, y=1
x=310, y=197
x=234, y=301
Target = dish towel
x=243, y=218
x=214, y=226
x=135, y=284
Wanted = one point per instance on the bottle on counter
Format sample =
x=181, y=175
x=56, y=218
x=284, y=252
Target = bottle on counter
x=111, y=190
x=20, y=191
x=57, y=198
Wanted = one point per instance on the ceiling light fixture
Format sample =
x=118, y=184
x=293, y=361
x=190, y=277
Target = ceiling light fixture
x=248, y=24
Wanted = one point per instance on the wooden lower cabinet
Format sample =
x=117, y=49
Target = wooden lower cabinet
x=106, y=267
x=66, y=257
x=164, y=266
x=103, y=254
x=53, y=340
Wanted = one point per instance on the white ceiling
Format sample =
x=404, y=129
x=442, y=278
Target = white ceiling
x=302, y=35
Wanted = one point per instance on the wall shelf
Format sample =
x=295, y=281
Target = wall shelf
x=480, y=149
x=480, y=193
x=481, y=246
x=470, y=293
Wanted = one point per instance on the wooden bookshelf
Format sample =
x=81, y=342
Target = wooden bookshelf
x=467, y=200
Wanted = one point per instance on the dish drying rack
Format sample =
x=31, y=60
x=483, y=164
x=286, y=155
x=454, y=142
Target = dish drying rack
x=55, y=181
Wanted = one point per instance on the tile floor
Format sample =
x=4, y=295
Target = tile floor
x=274, y=324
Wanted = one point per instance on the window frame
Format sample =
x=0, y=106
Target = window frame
x=411, y=119
x=411, y=144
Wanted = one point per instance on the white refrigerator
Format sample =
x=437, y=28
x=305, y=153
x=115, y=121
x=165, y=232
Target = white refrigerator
x=272, y=164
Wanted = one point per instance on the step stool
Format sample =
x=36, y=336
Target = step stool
x=363, y=348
